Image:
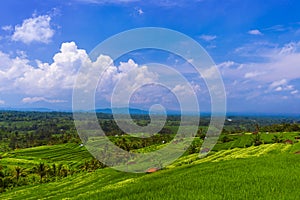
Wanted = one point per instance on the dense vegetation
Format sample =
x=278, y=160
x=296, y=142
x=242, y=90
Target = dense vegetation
x=265, y=172
x=40, y=148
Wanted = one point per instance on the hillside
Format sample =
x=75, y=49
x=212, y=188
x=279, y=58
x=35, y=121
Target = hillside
x=268, y=171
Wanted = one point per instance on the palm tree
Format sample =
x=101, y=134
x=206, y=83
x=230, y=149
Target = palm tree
x=18, y=171
x=41, y=170
x=60, y=166
x=64, y=171
x=54, y=169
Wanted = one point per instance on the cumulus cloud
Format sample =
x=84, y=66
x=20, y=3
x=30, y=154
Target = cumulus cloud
x=38, y=99
x=35, y=29
x=254, y=32
x=208, y=37
x=49, y=82
x=129, y=79
x=2, y=102
x=18, y=74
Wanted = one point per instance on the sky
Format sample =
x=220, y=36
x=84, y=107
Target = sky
x=254, y=44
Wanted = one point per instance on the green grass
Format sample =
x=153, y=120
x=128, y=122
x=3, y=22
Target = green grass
x=265, y=172
x=237, y=153
x=71, y=154
x=245, y=140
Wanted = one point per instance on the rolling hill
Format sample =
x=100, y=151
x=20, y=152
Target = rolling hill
x=268, y=171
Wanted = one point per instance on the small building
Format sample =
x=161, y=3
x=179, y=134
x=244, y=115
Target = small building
x=152, y=170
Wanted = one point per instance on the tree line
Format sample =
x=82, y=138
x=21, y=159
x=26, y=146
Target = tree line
x=11, y=177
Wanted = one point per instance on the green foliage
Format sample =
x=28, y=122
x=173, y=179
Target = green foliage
x=274, y=176
x=256, y=140
x=41, y=158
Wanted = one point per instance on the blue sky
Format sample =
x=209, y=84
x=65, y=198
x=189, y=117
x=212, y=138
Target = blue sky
x=254, y=44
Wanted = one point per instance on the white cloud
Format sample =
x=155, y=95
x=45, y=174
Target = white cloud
x=253, y=74
x=7, y=28
x=38, y=99
x=276, y=64
x=2, y=102
x=51, y=78
x=254, y=32
x=278, y=83
x=129, y=79
x=273, y=69
x=180, y=89
x=210, y=73
x=289, y=87
x=226, y=64
x=54, y=82
x=208, y=37
x=288, y=48
x=277, y=27
x=50, y=82
x=140, y=11
x=295, y=92
x=278, y=89
x=186, y=90
x=35, y=29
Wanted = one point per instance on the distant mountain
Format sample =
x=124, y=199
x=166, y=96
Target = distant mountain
x=133, y=111
x=122, y=110
x=30, y=109
x=136, y=111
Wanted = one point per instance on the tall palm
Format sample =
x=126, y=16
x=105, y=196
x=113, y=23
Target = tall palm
x=18, y=171
x=41, y=170
x=54, y=169
x=59, y=167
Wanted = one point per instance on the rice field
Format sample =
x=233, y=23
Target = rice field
x=269, y=171
x=69, y=153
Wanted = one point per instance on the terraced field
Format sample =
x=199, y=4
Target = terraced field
x=238, y=153
x=245, y=140
x=268, y=171
x=70, y=154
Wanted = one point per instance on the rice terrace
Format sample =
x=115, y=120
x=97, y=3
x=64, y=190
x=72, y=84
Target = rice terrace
x=132, y=99
x=53, y=163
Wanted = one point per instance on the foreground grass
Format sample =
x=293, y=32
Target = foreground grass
x=270, y=175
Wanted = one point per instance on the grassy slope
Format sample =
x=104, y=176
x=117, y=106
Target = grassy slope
x=64, y=153
x=273, y=174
